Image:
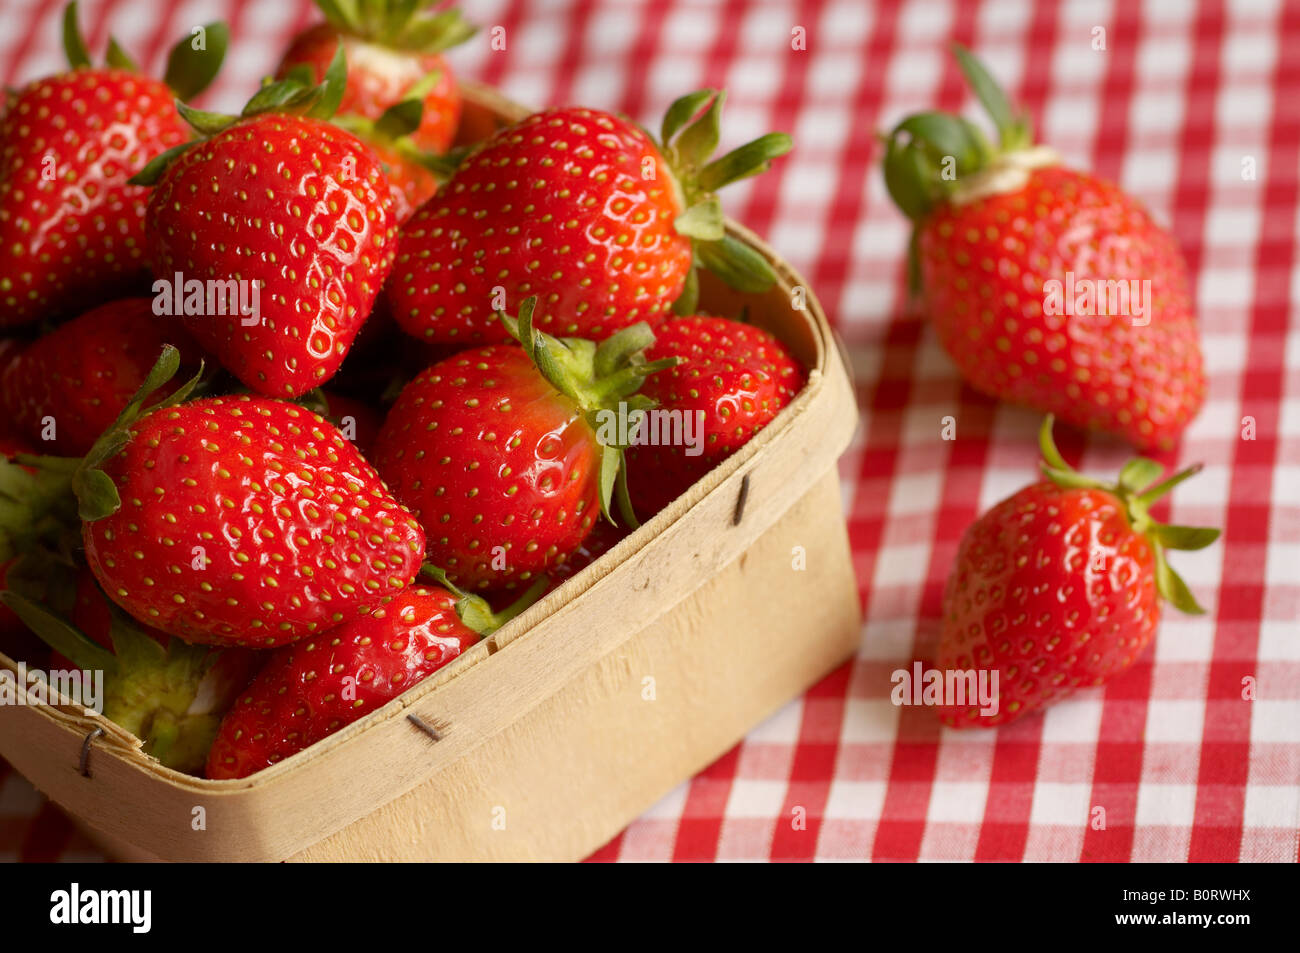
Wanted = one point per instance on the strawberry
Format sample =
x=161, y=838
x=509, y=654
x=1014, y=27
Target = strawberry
x=732, y=378
x=239, y=521
x=70, y=225
x=313, y=688
x=1047, y=286
x=68, y=386
x=583, y=210
x=290, y=204
x=498, y=451
x=170, y=695
x=1061, y=585
x=395, y=49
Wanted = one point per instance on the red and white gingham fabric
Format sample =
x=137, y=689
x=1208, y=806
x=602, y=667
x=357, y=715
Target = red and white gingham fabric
x=1183, y=98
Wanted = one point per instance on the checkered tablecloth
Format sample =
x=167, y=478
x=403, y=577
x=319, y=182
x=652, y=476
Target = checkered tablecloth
x=1194, y=107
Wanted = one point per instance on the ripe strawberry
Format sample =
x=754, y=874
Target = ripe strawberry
x=170, y=695
x=70, y=225
x=239, y=520
x=313, y=688
x=394, y=47
x=84, y=372
x=1007, y=255
x=583, y=210
x=288, y=202
x=497, y=450
x=1061, y=585
x=730, y=381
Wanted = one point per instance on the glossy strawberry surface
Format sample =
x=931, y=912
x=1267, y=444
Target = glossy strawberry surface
x=296, y=204
x=738, y=377
x=248, y=521
x=71, y=229
x=500, y=468
x=1053, y=590
x=984, y=268
x=72, y=383
x=314, y=687
x=573, y=205
x=380, y=77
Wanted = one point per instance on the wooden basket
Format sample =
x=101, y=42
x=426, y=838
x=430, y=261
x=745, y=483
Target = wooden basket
x=564, y=726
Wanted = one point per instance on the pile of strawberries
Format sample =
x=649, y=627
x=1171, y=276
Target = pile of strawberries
x=303, y=402
x=322, y=395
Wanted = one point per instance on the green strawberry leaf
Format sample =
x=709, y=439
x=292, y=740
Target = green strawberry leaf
x=60, y=635
x=1013, y=128
x=331, y=89
x=682, y=111
x=699, y=140
x=1171, y=586
x=153, y=171
x=1184, y=537
x=74, y=47
x=750, y=159
x=611, y=461
x=737, y=264
x=191, y=70
x=118, y=58
x=703, y=221
x=1139, y=473
x=689, y=299
x=400, y=119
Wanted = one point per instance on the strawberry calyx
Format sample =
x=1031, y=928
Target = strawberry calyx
x=296, y=94
x=475, y=611
x=154, y=692
x=190, y=68
x=399, y=24
x=601, y=378
x=1137, y=490
x=689, y=136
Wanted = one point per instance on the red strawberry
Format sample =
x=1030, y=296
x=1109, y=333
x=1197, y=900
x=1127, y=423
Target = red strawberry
x=240, y=521
x=84, y=372
x=70, y=225
x=1048, y=287
x=1061, y=585
x=394, y=50
x=288, y=203
x=314, y=687
x=497, y=452
x=169, y=694
x=583, y=210
x=732, y=377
